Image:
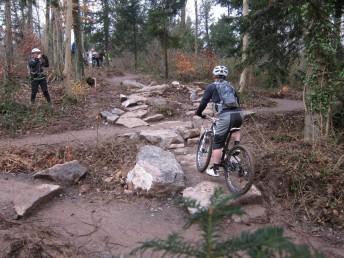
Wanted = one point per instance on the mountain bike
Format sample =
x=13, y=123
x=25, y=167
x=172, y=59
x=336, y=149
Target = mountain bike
x=237, y=162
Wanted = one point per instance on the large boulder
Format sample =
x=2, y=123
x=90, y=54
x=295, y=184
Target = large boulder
x=164, y=138
x=67, y=173
x=156, y=172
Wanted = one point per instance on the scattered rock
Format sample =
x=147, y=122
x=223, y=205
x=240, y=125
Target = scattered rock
x=67, y=173
x=134, y=100
x=84, y=188
x=157, y=102
x=131, y=122
x=133, y=84
x=176, y=146
x=163, y=138
x=248, y=113
x=175, y=83
x=190, y=113
x=189, y=133
x=201, y=193
x=109, y=179
x=137, y=113
x=253, y=196
x=154, y=89
x=109, y=116
x=156, y=171
x=137, y=107
x=33, y=196
x=192, y=141
x=117, y=111
x=180, y=151
x=154, y=118
x=123, y=97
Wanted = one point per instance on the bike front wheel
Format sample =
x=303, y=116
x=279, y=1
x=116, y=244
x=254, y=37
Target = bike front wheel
x=239, y=170
x=204, y=151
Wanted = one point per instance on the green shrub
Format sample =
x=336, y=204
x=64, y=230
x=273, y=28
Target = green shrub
x=264, y=242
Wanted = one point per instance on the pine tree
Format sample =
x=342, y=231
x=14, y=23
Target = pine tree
x=264, y=242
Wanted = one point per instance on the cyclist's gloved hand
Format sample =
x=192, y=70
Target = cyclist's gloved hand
x=201, y=116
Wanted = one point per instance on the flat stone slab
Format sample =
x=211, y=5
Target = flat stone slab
x=154, y=118
x=192, y=141
x=156, y=88
x=189, y=133
x=138, y=107
x=137, y=114
x=133, y=100
x=156, y=171
x=131, y=122
x=67, y=173
x=117, y=111
x=253, y=196
x=163, y=138
x=201, y=193
x=204, y=190
x=133, y=84
x=19, y=196
x=33, y=196
x=109, y=116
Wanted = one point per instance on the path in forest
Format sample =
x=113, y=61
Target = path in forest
x=105, y=226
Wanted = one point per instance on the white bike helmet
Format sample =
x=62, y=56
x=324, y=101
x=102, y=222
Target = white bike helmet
x=220, y=70
x=35, y=50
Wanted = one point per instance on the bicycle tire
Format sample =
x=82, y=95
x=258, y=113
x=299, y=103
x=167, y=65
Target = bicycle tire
x=231, y=168
x=209, y=149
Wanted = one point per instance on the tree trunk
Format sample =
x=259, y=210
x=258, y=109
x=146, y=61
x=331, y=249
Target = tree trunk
x=68, y=61
x=29, y=15
x=183, y=17
x=79, y=68
x=165, y=50
x=196, y=27
x=8, y=41
x=47, y=36
x=135, y=45
x=106, y=29
x=243, y=76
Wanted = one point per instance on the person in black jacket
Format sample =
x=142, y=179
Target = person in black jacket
x=37, y=77
x=229, y=116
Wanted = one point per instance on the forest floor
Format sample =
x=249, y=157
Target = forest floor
x=97, y=218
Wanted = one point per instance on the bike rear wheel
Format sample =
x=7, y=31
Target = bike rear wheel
x=204, y=151
x=239, y=169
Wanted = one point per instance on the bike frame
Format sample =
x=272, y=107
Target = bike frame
x=229, y=136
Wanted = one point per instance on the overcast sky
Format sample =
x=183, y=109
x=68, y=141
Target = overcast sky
x=217, y=10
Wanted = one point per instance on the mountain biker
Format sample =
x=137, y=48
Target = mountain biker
x=36, y=63
x=227, y=106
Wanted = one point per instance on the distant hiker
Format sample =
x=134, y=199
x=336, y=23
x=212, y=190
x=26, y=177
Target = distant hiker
x=227, y=106
x=95, y=58
x=36, y=63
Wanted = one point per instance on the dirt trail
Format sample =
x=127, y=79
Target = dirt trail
x=87, y=136
x=104, y=226
x=91, y=136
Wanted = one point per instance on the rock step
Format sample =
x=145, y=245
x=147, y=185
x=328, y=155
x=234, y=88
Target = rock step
x=203, y=191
